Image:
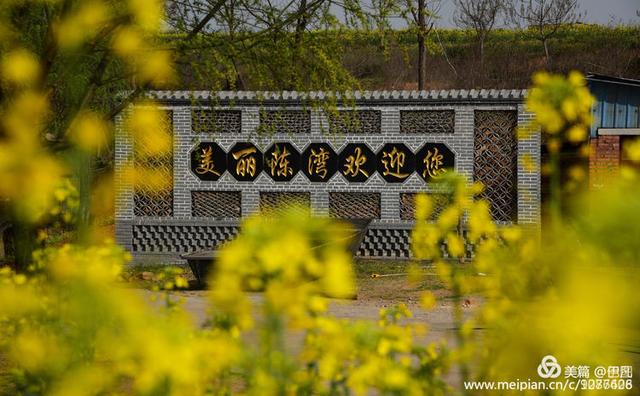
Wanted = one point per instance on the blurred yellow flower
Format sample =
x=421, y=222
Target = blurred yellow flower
x=19, y=67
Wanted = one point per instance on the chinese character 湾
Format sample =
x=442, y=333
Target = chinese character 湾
x=318, y=162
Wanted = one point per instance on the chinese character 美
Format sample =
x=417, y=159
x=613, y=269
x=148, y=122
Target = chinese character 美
x=246, y=161
x=206, y=162
x=318, y=162
x=433, y=164
x=570, y=372
x=583, y=371
x=626, y=371
x=354, y=163
x=392, y=162
x=279, y=164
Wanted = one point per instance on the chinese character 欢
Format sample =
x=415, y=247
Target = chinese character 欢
x=279, y=164
x=354, y=164
x=246, y=161
x=318, y=162
x=392, y=162
x=206, y=162
x=433, y=164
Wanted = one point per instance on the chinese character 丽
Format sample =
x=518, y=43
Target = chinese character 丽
x=246, y=161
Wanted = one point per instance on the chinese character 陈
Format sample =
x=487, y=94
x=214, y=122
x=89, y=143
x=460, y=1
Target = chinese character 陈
x=392, y=162
x=206, y=162
x=279, y=164
x=433, y=164
x=318, y=162
x=354, y=163
x=246, y=161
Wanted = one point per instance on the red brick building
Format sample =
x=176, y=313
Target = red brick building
x=616, y=123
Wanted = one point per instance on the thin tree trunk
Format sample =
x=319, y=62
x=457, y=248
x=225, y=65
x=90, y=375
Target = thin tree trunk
x=422, y=53
x=545, y=43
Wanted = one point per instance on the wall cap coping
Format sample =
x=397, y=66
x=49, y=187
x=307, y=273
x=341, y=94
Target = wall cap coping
x=360, y=97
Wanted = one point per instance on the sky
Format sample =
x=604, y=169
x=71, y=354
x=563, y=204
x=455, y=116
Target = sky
x=597, y=11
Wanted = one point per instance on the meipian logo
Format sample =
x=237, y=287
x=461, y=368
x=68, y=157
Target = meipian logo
x=549, y=367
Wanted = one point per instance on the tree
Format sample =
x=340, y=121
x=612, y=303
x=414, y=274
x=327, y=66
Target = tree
x=245, y=44
x=544, y=18
x=481, y=16
x=421, y=16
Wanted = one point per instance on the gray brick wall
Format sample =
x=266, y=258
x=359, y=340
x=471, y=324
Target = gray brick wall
x=460, y=142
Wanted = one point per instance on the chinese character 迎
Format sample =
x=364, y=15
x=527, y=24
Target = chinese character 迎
x=392, y=162
x=279, y=164
x=354, y=163
x=583, y=371
x=433, y=164
x=206, y=162
x=246, y=161
x=570, y=372
x=318, y=162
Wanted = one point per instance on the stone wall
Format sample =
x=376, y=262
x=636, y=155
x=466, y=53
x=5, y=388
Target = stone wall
x=411, y=118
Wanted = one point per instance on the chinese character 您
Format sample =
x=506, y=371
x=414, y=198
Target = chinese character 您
x=354, y=163
x=392, y=162
x=318, y=162
x=433, y=164
x=206, y=162
x=279, y=164
x=246, y=161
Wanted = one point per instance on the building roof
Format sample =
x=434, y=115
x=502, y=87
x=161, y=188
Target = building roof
x=612, y=80
x=359, y=97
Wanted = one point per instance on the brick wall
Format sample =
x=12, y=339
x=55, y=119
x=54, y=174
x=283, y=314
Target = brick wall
x=604, y=160
x=164, y=239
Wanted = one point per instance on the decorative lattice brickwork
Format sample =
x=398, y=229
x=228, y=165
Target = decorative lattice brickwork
x=396, y=243
x=350, y=205
x=217, y=204
x=276, y=201
x=148, y=198
x=427, y=121
x=495, y=162
x=216, y=121
x=354, y=121
x=408, y=205
x=285, y=121
x=155, y=238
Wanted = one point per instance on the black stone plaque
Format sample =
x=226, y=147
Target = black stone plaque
x=282, y=161
x=433, y=160
x=396, y=162
x=319, y=162
x=208, y=161
x=244, y=161
x=356, y=162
